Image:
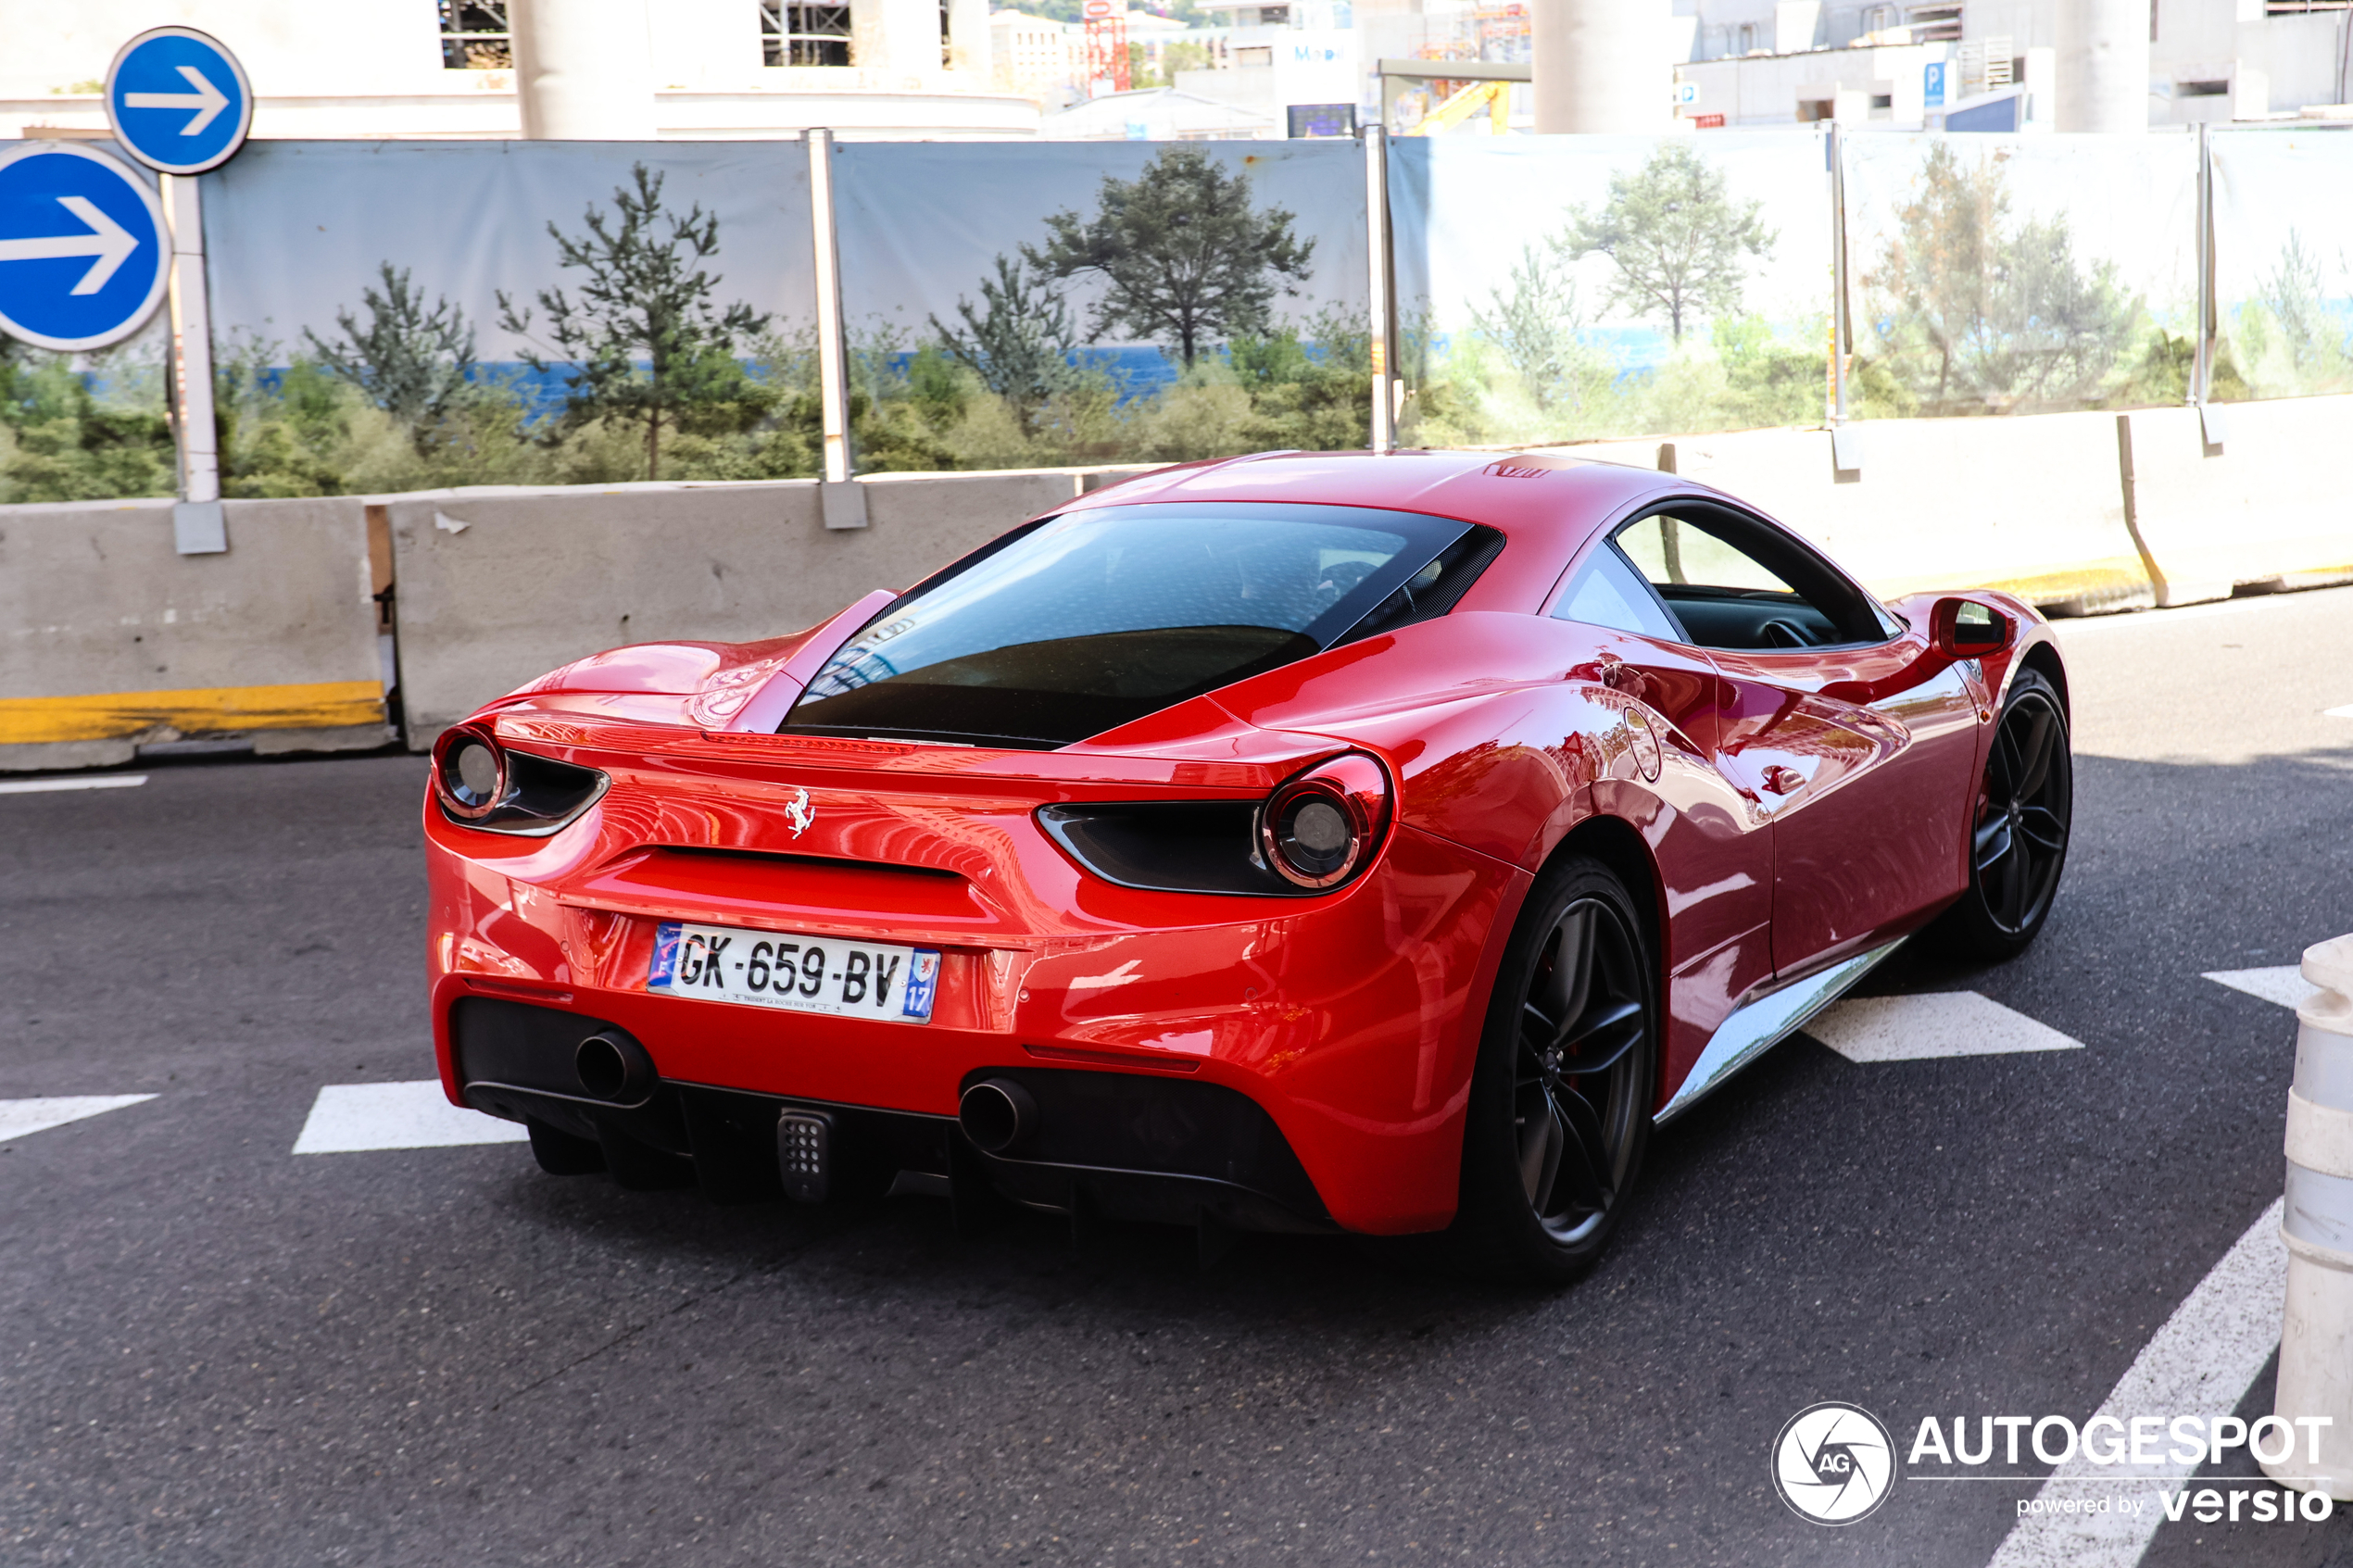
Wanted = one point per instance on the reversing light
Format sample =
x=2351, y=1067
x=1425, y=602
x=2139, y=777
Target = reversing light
x=469, y=773
x=1319, y=829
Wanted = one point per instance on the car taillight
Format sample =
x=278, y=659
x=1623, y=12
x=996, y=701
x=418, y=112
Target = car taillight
x=1320, y=828
x=469, y=773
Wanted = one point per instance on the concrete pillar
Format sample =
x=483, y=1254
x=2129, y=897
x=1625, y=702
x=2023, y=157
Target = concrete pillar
x=581, y=69
x=899, y=40
x=968, y=38
x=2102, y=65
x=1602, y=65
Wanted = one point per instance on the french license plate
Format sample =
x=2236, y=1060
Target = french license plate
x=773, y=969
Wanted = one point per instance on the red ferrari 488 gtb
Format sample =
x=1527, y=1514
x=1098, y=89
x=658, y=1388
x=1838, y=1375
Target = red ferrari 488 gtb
x=1307, y=842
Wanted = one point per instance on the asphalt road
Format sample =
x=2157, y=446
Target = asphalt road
x=213, y=1352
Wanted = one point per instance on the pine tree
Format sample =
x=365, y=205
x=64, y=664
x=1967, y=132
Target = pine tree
x=1019, y=344
x=413, y=361
x=644, y=341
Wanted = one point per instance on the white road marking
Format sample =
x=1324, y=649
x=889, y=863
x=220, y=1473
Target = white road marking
x=2344, y=712
x=1939, y=1024
x=2201, y=1363
x=2285, y=985
x=101, y=780
x=347, y=1118
x=19, y=1117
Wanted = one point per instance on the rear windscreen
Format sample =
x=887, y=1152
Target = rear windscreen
x=1083, y=622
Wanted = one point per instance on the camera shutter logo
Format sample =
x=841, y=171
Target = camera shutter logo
x=1834, y=1463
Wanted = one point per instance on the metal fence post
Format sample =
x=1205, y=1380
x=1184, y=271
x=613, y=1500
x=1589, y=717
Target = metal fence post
x=2201, y=389
x=842, y=501
x=1381, y=285
x=1846, y=445
x=198, y=524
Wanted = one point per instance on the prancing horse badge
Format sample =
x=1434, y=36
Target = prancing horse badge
x=798, y=816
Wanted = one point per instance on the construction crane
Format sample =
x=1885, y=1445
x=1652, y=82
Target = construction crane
x=1495, y=97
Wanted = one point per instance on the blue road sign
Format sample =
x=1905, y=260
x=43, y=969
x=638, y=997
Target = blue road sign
x=84, y=251
x=1932, y=85
x=178, y=100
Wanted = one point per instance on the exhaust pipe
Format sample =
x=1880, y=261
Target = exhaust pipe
x=997, y=1115
x=613, y=1066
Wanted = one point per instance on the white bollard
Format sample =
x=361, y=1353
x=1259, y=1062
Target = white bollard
x=2316, y=1340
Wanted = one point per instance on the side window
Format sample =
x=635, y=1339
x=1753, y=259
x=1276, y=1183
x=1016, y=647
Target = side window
x=1607, y=592
x=1734, y=583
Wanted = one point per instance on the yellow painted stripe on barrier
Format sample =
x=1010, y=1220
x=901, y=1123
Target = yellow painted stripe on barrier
x=2097, y=583
x=26, y=720
x=2092, y=583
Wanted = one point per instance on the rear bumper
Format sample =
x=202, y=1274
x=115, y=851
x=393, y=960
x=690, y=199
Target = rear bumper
x=1346, y=1025
x=1125, y=1146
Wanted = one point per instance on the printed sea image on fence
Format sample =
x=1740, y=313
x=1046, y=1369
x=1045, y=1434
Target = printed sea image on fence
x=2283, y=281
x=1020, y=304
x=399, y=315
x=1567, y=288
x=1994, y=275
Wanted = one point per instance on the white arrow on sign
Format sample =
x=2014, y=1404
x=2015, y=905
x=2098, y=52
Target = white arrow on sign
x=207, y=100
x=107, y=240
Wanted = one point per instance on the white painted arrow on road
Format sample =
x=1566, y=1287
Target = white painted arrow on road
x=107, y=240
x=207, y=100
x=19, y=1117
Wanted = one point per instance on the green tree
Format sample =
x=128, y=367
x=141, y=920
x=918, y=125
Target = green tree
x=1019, y=342
x=645, y=341
x=1311, y=398
x=1675, y=236
x=2295, y=292
x=1535, y=325
x=1182, y=252
x=1768, y=382
x=414, y=361
x=68, y=444
x=1976, y=311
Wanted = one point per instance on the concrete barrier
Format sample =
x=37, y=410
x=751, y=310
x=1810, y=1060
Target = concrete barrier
x=2034, y=505
x=113, y=640
x=110, y=639
x=497, y=587
x=2266, y=505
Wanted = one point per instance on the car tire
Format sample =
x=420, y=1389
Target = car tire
x=2020, y=821
x=1551, y=1154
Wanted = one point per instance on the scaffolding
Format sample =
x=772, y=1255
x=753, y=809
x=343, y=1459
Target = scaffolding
x=1106, y=24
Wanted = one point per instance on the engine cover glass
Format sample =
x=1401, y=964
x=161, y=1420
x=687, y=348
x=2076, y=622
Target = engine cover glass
x=1088, y=620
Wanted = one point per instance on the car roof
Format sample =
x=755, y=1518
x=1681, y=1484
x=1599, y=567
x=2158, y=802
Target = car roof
x=1504, y=490
x=1549, y=500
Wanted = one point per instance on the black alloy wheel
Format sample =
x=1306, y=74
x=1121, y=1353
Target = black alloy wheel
x=1561, y=1103
x=2018, y=833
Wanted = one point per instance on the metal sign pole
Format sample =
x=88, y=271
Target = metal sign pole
x=843, y=502
x=198, y=525
x=1382, y=287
